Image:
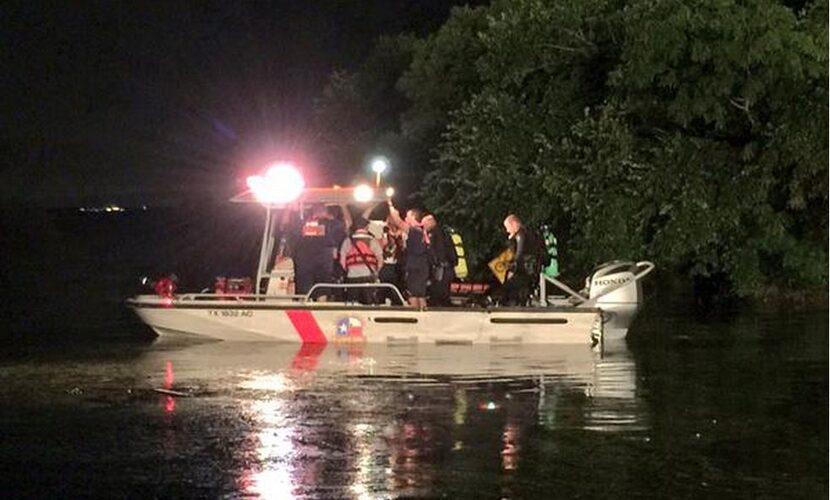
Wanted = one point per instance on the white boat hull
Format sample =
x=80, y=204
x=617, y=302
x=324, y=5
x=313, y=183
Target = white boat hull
x=332, y=322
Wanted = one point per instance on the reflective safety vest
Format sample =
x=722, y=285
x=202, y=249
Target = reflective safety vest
x=361, y=254
x=460, y=269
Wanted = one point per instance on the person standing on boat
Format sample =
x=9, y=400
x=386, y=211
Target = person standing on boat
x=341, y=222
x=521, y=274
x=392, y=244
x=314, y=252
x=442, y=262
x=416, y=269
x=362, y=258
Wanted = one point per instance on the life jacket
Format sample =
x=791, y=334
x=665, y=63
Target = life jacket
x=460, y=269
x=360, y=253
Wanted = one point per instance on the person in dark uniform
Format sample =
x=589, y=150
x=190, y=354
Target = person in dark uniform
x=523, y=268
x=341, y=222
x=442, y=262
x=416, y=268
x=314, y=252
x=392, y=244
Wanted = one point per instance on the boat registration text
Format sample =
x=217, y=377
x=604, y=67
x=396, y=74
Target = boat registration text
x=230, y=313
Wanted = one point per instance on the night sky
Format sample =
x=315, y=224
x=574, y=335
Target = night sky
x=132, y=103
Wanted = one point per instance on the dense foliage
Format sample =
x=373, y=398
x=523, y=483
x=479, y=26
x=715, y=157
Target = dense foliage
x=691, y=133
x=357, y=115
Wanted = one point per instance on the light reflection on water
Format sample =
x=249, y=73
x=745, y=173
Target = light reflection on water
x=179, y=418
x=402, y=412
x=274, y=475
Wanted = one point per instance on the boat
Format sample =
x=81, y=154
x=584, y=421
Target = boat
x=268, y=309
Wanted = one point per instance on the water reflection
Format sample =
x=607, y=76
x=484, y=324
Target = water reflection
x=692, y=413
x=366, y=472
x=511, y=447
x=369, y=421
x=169, y=401
x=273, y=475
x=613, y=402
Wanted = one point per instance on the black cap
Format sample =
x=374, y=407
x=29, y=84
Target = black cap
x=360, y=223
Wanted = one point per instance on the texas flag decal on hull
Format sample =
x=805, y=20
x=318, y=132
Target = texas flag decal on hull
x=349, y=329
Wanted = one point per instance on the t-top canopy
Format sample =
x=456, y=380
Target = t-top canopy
x=337, y=195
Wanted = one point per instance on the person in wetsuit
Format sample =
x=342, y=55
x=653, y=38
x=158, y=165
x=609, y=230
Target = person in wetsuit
x=442, y=261
x=523, y=268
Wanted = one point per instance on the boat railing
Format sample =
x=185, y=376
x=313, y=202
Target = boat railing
x=304, y=298
x=544, y=279
x=247, y=297
x=578, y=299
x=346, y=286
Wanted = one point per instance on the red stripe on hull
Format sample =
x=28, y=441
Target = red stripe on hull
x=307, y=327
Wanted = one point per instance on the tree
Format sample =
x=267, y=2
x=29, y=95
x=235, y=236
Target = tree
x=357, y=115
x=740, y=91
x=540, y=66
x=699, y=142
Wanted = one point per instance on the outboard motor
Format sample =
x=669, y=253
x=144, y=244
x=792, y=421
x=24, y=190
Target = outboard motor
x=615, y=288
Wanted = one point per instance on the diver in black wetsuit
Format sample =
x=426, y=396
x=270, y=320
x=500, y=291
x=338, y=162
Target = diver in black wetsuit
x=523, y=268
x=442, y=262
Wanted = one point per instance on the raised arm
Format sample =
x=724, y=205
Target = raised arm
x=395, y=216
x=347, y=217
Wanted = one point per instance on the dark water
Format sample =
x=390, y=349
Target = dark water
x=90, y=406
